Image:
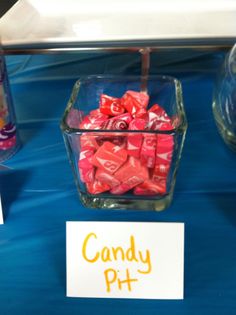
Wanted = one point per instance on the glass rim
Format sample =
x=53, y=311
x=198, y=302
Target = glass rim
x=179, y=100
x=228, y=59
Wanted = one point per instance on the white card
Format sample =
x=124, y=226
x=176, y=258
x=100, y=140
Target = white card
x=125, y=260
x=1, y=214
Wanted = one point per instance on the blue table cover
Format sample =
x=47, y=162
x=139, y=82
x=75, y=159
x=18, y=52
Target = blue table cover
x=39, y=194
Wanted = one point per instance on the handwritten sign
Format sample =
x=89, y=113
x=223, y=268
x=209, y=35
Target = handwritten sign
x=1, y=214
x=125, y=260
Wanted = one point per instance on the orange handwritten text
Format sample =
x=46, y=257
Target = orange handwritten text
x=130, y=254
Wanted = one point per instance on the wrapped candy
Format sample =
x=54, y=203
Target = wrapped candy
x=106, y=178
x=131, y=168
x=115, y=139
x=126, y=186
x=130, y=175
x=161, y=170
x=150, y=187
x=93, y=121
x=135, y=103
x=164, y=150
x=96, y=187
x=88, y=141
x=111, y=105
x=159, y=112
x=85, y=166
x=116, y=124
x=109, y=157
x=134, y=141
x=148, y=150
x=158, y=119
x=120, y=122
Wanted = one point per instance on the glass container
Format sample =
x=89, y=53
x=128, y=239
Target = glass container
x=224, y=100
x=109, y=147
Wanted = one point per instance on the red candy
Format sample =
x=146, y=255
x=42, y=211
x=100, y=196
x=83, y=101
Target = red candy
x=141, y=113
x=148, y=150
x=111, y=105
x=138, y=124
x=131, y=168
x=106, y=178
x=120, y=162
x=93, y=121
x=134, y=141
x=150, y=188
x=86, y=169
x=161, y=170
x=96, y=187
x=87, y=175
x=117, y=124
x=125, y=117
x=95, y=112
x=109, y=157
x=135, y=103
x=120, y=122
x=117, y=140
x=88, y=141
x=159, y=112
x=158, y=119
x=130, y=174
x=160, y=125
x=164, y=150
x=126, y=186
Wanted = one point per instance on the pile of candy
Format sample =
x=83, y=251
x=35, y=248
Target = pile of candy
x=119, y=163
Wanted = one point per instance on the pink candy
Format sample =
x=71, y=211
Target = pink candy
x=109, y=157
x=150, y=188
x=132, y=167
x=96, y=187
x=148, y=150
x=106, y=178
x=134, y=141
x=85, y=166
x=158, y=119
x=131, y=174
x=117, y=162
x=164, y=151
x=93, y=121
x=88, y=141
x=135, y=103
x=111, y=105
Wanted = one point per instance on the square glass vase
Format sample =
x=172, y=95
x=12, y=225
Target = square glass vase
x=108, y=174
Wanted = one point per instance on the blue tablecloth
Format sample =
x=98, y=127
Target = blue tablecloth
x=39, y=194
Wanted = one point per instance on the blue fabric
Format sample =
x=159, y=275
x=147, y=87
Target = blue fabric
x=39, y=194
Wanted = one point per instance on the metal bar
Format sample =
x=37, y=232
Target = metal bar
x=33, y=51
x=145, y=65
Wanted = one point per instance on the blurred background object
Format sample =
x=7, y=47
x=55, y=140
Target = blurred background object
x=224, y=102
x=5, y=5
